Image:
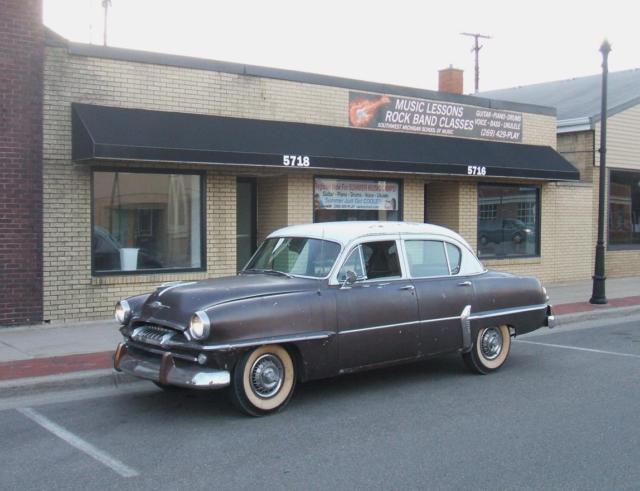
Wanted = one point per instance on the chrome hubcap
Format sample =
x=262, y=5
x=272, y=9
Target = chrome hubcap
x=491, y=343
x=266, y=375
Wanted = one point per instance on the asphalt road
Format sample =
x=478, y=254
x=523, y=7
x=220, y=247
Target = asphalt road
x=563, y=413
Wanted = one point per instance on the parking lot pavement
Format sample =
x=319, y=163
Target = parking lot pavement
x=562, y=413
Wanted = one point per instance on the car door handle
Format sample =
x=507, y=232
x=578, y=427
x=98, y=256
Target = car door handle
x=408, y=287
x=465, y=283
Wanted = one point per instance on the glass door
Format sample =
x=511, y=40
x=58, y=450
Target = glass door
x=245, y=220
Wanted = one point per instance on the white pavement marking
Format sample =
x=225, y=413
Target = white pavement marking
x=79, y=443
x=630, y=355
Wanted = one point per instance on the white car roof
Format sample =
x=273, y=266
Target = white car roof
x=345, y=232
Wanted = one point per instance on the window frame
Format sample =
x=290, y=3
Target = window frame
x=446, y=255
x=538, y=227
x=399, y=182
x=404, y=274
x=203, y=220
x=610, y=246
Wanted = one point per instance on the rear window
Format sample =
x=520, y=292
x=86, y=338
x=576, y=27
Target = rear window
x=426, y=258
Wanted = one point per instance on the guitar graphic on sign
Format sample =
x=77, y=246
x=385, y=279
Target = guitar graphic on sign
x=362, y=111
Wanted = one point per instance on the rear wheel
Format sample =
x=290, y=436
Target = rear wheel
x=490, y=349
x=263, y=380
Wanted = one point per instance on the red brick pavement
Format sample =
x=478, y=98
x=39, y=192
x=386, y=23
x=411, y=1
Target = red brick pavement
x=572, y=308
x=56, y=365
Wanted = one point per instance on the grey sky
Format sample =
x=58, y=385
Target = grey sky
x=400, y=42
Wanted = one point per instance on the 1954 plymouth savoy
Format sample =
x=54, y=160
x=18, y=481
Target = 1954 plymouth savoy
x=324, y=299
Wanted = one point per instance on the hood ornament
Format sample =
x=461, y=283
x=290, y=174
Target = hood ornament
x=158, y=305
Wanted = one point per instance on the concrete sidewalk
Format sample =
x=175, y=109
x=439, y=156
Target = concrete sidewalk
x=44, y=354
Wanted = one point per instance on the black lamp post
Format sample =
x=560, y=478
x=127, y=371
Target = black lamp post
x=598, y=296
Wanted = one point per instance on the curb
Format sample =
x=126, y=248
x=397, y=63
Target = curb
x=601, y=313
x=87, y=379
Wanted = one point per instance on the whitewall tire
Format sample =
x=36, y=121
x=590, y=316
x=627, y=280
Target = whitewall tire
x=490, y=349
x=263, y=380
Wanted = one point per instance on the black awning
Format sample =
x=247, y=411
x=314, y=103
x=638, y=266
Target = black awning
x=109, y=133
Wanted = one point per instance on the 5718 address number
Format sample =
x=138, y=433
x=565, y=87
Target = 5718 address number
x=296, y=160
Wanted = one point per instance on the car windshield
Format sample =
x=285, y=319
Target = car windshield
x=298, y=256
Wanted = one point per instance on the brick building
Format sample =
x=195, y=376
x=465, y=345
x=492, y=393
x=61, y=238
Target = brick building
x=158, y=168
x=21, y=71
x=578, y=102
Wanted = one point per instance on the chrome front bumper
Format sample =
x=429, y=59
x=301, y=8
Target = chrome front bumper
x=164, y=370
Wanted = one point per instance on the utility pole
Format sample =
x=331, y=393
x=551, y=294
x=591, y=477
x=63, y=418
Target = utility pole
x=476, y=47
x=105, y=4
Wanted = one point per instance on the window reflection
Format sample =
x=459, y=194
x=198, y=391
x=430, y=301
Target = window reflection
x=624, y=208
x=145, y=221
x=507, y=221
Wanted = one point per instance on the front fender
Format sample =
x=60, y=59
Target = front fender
x=303, y=315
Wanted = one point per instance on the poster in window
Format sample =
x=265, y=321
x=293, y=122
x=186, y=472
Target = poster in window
x=339, y=194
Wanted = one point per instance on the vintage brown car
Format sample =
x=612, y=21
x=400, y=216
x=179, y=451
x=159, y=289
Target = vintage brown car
x=325, y=299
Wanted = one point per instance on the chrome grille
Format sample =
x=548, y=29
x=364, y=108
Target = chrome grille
x=152, y=334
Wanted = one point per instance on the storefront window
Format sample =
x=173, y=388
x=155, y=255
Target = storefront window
x=355, y=199
x=624, y=208
x=146, y=222
x=508, y=221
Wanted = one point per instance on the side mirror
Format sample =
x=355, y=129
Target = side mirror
x=349, y=279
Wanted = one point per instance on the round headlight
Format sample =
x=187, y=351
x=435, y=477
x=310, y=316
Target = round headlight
x=200, y=325
x=123, y=312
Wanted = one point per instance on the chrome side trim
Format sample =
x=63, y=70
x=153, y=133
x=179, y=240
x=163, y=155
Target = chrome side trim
x=400, y=324
x=269, y=340
x=465, y=322
x=509, y=311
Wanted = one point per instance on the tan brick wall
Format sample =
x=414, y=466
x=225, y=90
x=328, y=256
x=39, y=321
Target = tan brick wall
x=413, y=200
x=539, y=130
x=468, y=209
x=580, y=149
x=272, y=205
x=300, y=198
x=70, y=292
x=443, y=204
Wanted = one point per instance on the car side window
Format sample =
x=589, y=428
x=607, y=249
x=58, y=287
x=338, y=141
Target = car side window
x=355, y=263
x=455, y=258
x=427, y=258
x=381, y=259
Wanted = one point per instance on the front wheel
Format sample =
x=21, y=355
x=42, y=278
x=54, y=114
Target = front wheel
x=263, y=380
x=490, y=349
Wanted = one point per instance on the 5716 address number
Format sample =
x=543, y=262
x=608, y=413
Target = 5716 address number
x=476, y=170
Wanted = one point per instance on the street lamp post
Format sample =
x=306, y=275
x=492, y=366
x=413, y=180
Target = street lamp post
x=598, y=296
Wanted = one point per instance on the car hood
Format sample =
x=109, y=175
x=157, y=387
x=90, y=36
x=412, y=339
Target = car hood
x=173, y=305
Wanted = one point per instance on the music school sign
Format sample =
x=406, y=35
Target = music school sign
x=440, y=118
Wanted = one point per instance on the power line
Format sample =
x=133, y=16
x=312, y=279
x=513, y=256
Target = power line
x=476, y=47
